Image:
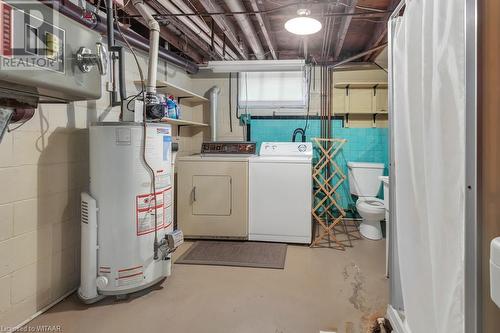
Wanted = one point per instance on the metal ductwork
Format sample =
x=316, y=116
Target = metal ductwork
x=214, y=102
x=246, y=27
x=74, y=12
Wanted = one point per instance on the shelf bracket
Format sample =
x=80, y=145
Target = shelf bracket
x=374, y=120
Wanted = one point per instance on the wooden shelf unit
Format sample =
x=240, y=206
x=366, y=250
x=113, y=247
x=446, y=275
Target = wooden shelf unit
x=180, y=122
x=361, y=85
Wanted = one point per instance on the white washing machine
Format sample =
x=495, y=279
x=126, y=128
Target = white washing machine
x=280, y=193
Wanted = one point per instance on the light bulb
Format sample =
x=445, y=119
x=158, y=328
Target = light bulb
x=303, y=25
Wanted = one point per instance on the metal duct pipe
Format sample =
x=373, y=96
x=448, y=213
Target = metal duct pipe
x=203, y=26
x=74, y=12
x=190, y=24
x=154, y=43
x=246, y=27
x=214, y=102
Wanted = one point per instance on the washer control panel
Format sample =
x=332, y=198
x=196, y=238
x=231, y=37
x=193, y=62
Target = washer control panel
x=229, y=147
x=286, y=149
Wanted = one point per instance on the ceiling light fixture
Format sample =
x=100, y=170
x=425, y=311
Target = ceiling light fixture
x=303, y=24
x=236, y=66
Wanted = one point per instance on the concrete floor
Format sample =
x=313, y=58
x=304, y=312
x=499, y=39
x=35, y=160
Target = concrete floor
x=319, y=289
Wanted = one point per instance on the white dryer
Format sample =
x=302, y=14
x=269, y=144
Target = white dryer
x=280, y=193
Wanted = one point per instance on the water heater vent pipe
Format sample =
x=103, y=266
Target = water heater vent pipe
x=154, y=40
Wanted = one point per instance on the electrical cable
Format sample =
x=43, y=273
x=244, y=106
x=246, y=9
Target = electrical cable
x=246, y=94
x=245, y=127
x=148, y=166
x=18, y=126
x=238, y=96
x=308, y=98
x=134, y=97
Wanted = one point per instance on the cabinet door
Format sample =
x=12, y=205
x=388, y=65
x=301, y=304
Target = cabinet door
x=360, y=100
x=211, y=195
x=381, y=98
x=339, y=101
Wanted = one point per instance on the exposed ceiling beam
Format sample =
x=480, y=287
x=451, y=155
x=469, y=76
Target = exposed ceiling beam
x=225, y=25
x=172, y=38
x=357, y=56
x=265, y=28
x=204, y=26
x=380, y=33
x=344, y=27
x=175, y=24
x=190, y=26
x=247, y=28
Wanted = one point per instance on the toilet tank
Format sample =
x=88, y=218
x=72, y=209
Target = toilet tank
x=364, y=178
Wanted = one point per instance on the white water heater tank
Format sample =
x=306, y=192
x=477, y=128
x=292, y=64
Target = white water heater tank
x=118, y=215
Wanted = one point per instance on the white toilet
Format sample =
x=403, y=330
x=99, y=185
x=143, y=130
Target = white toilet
x=364, y=182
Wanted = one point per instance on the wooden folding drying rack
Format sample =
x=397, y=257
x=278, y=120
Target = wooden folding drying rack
x=328, y=214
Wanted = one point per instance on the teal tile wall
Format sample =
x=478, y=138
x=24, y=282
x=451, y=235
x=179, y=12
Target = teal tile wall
x=363, y=144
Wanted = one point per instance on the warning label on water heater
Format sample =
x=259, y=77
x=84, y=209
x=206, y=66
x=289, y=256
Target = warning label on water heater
x=149, y=205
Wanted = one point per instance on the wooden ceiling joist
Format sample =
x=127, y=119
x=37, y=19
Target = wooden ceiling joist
x=172, y=38
x=225, y=25
x=380, y=33
x=265, y=29
x=344, y=27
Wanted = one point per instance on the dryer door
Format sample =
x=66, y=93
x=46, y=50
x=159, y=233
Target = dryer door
x=211, y=195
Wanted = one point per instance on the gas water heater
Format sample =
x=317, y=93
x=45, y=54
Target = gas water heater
x=126, y=219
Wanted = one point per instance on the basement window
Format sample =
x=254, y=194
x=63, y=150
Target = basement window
x=272, y=90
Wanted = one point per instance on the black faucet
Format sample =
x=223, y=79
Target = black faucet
x=302, y=134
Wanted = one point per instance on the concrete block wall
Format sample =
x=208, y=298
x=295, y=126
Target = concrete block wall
x=43, y=169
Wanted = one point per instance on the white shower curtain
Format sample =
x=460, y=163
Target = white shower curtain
x=429, y=143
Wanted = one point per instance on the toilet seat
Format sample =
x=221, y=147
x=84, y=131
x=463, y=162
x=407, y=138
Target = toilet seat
x=371, y=205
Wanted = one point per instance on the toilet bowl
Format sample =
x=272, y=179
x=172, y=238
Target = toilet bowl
x=364, y=183
x=372, y=211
